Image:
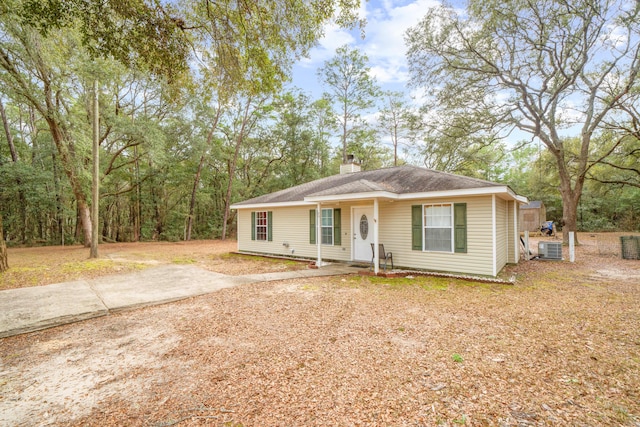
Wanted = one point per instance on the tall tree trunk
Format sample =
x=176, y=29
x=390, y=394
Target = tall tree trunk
x=394, y=139
x=50, y=107
x=59, y=200
x=76, y=186
x=227, y=197
x=570, y=198
x=7, y=131
x=14, y=158
x=196, y=181
x=345, y=117
x=4, y=263
x=95, y=178
x=156, y=199
x=569, y=217
x=192, y=202
x=232, y=169
x=137, y=208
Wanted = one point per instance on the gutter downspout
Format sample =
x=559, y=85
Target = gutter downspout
x=318, y=235
x=376, y=255
x=516, y=233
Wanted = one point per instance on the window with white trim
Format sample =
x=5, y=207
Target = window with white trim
x=327, y=226
x=438, y=227
x=261, y=225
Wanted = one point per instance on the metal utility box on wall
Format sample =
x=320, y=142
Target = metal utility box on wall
x=550, y=250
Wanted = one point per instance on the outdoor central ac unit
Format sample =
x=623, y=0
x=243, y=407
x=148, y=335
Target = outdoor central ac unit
x=550, y=250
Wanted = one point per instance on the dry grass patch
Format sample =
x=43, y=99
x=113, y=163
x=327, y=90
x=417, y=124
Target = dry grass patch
x=46, y=265
x=238, y=264
x=54, y=264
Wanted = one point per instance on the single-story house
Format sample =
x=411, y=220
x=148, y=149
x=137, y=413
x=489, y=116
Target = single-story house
x=429, y=220
x=532, y=216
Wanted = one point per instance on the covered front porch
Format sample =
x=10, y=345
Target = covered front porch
x=364, y=222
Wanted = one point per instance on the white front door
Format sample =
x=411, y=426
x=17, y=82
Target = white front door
x=362, y=233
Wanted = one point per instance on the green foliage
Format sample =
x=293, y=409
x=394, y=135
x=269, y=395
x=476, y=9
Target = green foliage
x=155, y=136
x=136, y=32
x=183, y=261
x=458, y=359
x=227, y=126
x=352, y=91
x=604, y=206
x=397, y=122
x=246, y=45
x=551, y=69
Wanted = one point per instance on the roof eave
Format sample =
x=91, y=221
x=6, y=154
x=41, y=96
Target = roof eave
x=352, y=196
x=311, y=200
x=271, y=205
x=482, y=191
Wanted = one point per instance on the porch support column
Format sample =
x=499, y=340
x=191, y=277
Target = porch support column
x=376, y=257
x=318, y=235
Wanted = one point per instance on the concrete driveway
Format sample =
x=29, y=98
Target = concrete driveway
x=30, y=309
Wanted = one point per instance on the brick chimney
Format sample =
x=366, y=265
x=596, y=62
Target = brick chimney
x=350, y=166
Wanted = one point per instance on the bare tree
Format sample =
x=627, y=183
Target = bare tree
x=4, y=264
x=551, y=69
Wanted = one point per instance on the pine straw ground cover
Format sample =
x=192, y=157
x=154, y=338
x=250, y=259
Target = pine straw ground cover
x=560, y=347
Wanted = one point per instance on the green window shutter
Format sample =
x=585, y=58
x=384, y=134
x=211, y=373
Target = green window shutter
x=336, y=227
x=460, y=224
x=269, y=226
x=253, y=226
x=416, y=227
x=312, y=226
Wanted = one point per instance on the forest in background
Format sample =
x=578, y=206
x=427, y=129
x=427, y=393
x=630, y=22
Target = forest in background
x=177, y=150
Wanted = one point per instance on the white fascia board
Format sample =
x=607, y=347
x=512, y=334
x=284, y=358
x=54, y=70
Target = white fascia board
x=459, y=193
x=272, y=205
x=312, y=200
x=352, y=196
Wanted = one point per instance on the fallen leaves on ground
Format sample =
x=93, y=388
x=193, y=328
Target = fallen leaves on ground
x=561, y=347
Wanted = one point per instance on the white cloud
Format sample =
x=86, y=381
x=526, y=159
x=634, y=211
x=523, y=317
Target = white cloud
x=334, y=38
x=616, y=37
x=385, y=45
x=387, y=22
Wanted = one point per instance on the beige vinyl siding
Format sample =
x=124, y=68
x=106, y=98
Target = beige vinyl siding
x=395, y=233
x=513, y=234
x=291, y=225
x=501, y=234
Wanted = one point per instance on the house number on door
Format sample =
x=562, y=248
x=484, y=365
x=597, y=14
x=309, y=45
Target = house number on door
x=364, y=227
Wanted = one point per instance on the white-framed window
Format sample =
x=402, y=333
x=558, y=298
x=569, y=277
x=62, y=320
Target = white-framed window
x=261, y=225
x=438, y=227
x=327, y=226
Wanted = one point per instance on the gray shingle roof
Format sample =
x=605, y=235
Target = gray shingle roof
x=400, y=180
x=535, y=204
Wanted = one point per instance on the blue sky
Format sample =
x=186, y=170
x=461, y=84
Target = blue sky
x=387, y=22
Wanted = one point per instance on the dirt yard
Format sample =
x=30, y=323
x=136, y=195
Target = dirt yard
x=560, y=347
